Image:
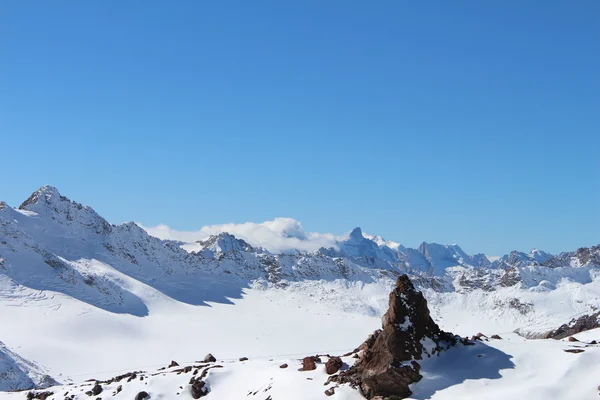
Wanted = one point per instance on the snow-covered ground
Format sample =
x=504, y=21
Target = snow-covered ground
x=81, y=299
x=512, y=367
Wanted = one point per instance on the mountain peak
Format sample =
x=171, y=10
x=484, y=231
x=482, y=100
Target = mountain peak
x=46, y=193
x=225, y=242
x=356, y=233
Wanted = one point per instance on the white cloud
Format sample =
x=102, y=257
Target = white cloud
x=278, y=235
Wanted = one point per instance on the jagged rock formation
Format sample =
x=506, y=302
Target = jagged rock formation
x=387, y=364
x=576, y=325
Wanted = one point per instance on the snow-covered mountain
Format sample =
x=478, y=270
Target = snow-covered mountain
x=52, y=243
x=16, y=373
x=65, y=268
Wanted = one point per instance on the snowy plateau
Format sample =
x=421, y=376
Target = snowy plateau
x=93, y=310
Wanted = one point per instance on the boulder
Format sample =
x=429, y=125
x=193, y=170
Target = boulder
x=309, y=363
x=283, y=366
x=209, y=358
x=244, y=359
x=573, y=339
x=496, y=337
x=96, y=390
x=333, y=365
x=173, y=364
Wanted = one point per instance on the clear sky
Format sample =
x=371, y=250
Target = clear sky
x=475, y=122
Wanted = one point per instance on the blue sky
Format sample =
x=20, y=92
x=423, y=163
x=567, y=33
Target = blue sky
x=469, y=122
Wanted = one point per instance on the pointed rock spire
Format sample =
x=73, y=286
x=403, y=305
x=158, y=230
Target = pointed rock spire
x=388, y=362
x=356, y=233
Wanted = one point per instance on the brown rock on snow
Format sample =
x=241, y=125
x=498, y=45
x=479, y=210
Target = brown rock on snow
x=209, y=358
x=308, y=363
x=333, y=365
x=283, y=366
x=173, y=364
x=496, y=337
x=573, y=339
x=387, y=365
x=244, y=359
x=330, y=392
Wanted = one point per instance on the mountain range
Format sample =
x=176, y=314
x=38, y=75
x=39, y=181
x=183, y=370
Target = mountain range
x=62, y=263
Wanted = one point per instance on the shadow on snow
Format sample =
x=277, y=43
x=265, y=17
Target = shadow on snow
x=458, y=365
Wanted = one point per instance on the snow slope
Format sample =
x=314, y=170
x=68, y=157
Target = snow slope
x=512, y=367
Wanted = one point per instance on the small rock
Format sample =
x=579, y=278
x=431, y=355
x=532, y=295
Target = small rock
x=575, y=351
x=330, y=392
x=173, y=364
x=593, y=342
x=209, y=358
x=333, y=365
x=119, y=388
x=496, y=337
x=244, y=359
x=141, y=396
x=573, y=339
x=283, y=366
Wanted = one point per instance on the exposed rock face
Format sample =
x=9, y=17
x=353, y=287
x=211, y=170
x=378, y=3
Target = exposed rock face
x=387, y=364
x=583, y=323
x=209, y=358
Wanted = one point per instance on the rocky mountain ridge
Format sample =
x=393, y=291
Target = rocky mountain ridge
x=57, y=231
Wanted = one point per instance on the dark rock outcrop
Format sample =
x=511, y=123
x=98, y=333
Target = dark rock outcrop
x=209, y=358
x=173, y=364
x=576, y=325
x=387, y=363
